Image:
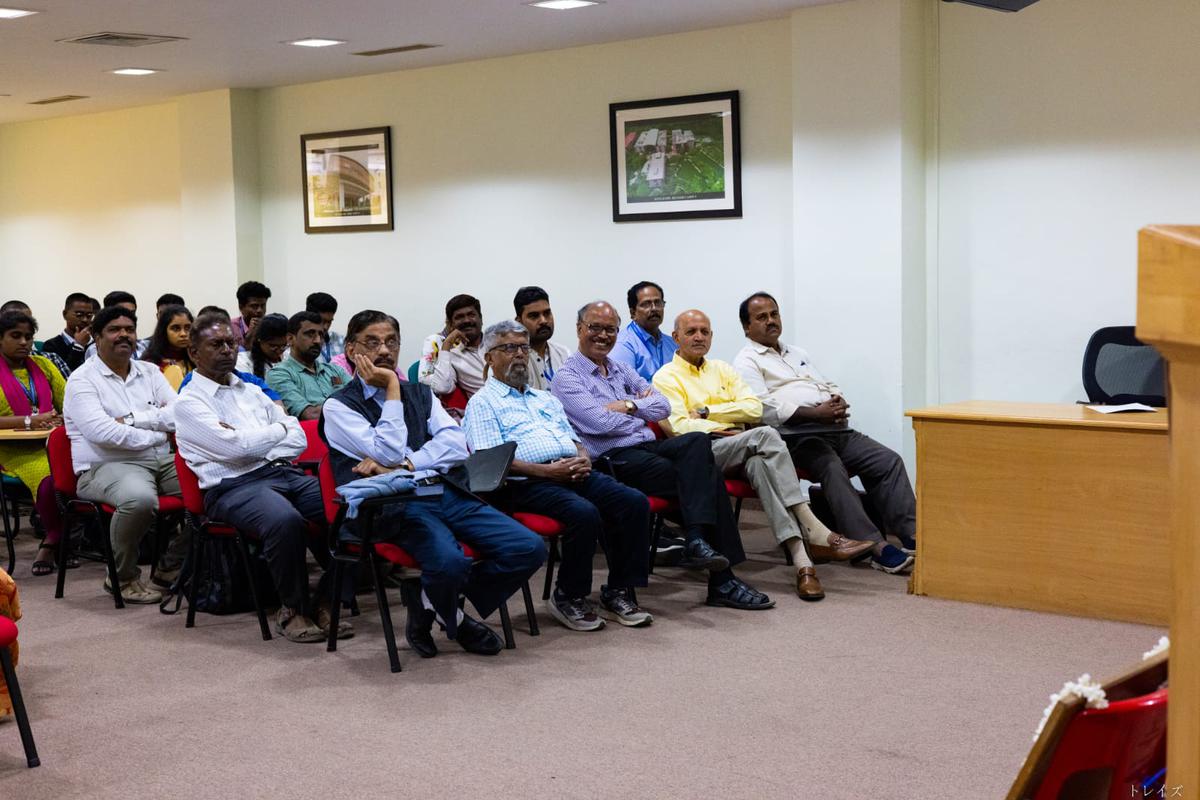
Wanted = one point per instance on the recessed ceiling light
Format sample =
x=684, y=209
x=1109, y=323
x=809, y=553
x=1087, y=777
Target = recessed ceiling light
x=313, y=41
x=15, y=13
x=134, y=71
x=565, y=5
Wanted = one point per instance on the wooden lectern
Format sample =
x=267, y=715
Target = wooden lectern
x=1168, y=317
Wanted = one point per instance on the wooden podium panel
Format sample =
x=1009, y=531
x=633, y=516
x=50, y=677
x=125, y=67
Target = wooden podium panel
x=1046, y=507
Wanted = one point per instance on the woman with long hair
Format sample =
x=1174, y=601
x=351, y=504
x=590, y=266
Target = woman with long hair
x=168, y=347
x=265, y=348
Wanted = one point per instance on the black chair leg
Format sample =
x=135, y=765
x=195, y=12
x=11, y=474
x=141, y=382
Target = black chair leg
x=655, y=531
x=737, y=513
x=529, y=612
x=199, y=546
x=551, y=557
x=510, y=642
x=335, y=604
x=385, y=613
x=262, y=615
x=110, y=559
x=9, y=533
x=18, y=704
x=64, y=553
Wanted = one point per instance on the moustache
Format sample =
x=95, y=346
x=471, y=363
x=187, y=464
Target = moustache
x=545, y=329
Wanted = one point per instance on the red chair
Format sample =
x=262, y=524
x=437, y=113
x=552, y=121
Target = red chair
x=373, y=554
x=455, y=399
x=659, y=506
x=206, y=531
x=62, y=473
x=310, y=459
x=8, y=636
x=1120, y=747
x=549, y=529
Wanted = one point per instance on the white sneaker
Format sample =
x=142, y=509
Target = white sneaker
x=135, y=591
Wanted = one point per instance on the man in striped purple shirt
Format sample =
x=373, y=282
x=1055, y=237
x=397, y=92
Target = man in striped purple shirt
x=611, y=407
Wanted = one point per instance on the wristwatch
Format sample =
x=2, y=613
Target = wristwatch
x=630, y=407
x=28, y=422
x=703, y=412
x=128, y=419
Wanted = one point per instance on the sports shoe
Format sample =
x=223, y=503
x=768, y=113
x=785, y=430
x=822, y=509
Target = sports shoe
x=574, y=613
x=135, y=591
x=699, y=554
x=619, y=607
x=892, y=560
x=908, y=544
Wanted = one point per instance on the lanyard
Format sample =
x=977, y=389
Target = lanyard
x=30, y=392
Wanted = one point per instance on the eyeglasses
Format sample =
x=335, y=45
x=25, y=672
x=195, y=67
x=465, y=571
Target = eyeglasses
x=651, y=304
x=512, y=348
x=596, y=330
x=372, y=344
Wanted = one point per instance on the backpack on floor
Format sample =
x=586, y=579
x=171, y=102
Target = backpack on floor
x=221, y=583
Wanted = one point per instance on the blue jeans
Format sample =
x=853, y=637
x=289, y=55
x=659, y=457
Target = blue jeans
x=430, y=529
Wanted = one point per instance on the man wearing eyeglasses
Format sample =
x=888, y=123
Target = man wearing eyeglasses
x=555, y=478
x=642, y=344
x=377, y=424
x=610, y=406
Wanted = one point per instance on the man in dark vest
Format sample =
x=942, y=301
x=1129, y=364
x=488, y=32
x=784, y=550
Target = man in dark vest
x=376, y=425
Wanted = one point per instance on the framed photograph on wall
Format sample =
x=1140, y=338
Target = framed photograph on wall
x=347, y=180
x=676, y=158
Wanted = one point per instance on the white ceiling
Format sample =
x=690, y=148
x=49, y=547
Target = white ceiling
x=236, y=43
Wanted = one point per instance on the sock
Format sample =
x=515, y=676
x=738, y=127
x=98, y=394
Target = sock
x=795, y=547
x=425, y=602
x=693, y=532
x=815, y=531
x=717, y=578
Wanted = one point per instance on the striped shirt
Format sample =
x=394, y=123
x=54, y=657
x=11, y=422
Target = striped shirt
x=584, y=392
x=534, y=419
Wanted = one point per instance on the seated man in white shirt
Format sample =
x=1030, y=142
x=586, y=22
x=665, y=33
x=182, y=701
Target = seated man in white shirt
x=118, y=412
x=811, y=414
x=241, y=447
x=460, y=358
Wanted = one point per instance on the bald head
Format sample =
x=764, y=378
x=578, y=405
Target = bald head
x=693, y=334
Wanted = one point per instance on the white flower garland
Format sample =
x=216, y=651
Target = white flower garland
x=1163, y=645
x=1084, y=688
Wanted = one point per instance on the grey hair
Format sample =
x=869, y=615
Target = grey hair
x=593, y=304
x=502, y=328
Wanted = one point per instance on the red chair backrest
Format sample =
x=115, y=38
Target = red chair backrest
x=189, y=486
x=658, y=431
x=456, y=399
x=329, y=493
x=316, y=448
x=1128, y=740
x=62, y=468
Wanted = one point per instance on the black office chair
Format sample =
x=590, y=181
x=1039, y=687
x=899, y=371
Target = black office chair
x=1118, y=368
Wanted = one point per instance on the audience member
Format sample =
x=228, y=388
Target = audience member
x=118, y=414
x=346, y=359
x=31, y=395
x=246, y=376
x=431, y=345
x=532, y=305
x=592, y=507
x=10, y=606
x=641, y=344
x=812, y=415
x=168, y=347
x=71, y=345
x=460, y=359
x=266, y=347
x=168, y=299
x=377, y=424
x=23, y=308
x=710, y=397
x=252, y=299
x=326, y=305
x=241, y=445
x=302, y=381
x=127, y=301
x=609, y=405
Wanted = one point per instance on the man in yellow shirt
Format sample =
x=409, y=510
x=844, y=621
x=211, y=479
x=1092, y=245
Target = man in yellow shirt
x=710, y=396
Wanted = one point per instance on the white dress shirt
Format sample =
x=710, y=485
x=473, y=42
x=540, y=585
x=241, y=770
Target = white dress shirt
x=96, y=396
x=461, y=365
x=784, y=381
x=541, y=370
x=259, y=431
x=350, y=433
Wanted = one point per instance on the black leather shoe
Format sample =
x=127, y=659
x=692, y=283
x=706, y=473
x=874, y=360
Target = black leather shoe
x=699, y=554
x=418, y=630
x=475, y=637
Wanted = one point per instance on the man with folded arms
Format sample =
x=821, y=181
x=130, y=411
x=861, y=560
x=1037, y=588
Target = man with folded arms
x=376, y=425
x=559, y=482
x=118, y=412
x=709, y=396
x=609, y=405
x=811, y=415
x=241, y=445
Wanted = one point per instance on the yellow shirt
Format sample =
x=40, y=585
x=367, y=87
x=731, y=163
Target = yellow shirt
x=714, y=385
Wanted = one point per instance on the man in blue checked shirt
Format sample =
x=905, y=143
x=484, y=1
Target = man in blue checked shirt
x=555, y=479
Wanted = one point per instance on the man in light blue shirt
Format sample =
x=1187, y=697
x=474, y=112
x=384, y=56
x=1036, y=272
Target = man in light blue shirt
x=555, y=479
x=641, y=344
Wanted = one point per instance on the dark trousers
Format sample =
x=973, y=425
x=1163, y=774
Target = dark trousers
x=597, y=509
x=683, y=468
x=833, y=458
x=274, y=503
x=430, y=529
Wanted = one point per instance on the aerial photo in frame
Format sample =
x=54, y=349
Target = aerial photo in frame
x=675, y=158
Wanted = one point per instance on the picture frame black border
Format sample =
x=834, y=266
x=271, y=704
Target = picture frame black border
x=734, y=106
x=305, y=138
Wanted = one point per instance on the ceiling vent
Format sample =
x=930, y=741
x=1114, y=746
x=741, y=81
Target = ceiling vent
x=62, y=98
x=122, y=39
x=387, y=51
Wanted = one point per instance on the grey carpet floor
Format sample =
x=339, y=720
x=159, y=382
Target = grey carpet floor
x=871, y=693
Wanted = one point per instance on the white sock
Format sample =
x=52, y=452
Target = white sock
x=795, y=548
x=425, y=602
x=815, y=531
